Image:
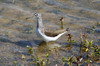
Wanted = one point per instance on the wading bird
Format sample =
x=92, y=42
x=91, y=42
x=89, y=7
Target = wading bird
x=47, y=36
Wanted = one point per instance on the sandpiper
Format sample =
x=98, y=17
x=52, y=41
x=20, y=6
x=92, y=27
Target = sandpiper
x=46, y=36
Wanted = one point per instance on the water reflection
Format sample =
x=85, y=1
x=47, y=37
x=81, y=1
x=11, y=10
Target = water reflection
x=45, y=47
x=52, y=48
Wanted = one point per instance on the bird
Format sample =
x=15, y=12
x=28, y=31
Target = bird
x=46, y=36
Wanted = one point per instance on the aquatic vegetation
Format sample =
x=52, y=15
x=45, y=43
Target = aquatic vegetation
x=88, y=44
x=70, y=60
x=91, y=29
x=98, y=24
x=73, y=60
x=97, y=51
x=88, y=61
x=83, y=37
x=87, y=47
x=37, y=60
x=90, y=49
x=89, y=53
x=30, y=50
x=62, y=25
x=69, y=39
x=15, y=63
x=95, y=54
x=41, y=62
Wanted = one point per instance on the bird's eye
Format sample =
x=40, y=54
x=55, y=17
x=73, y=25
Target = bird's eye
x=36, y=14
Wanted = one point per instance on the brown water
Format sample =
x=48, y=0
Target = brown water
x=17, y=28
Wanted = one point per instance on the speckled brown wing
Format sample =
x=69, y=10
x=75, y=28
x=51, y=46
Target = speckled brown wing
x=51, y=34
x=55, y=33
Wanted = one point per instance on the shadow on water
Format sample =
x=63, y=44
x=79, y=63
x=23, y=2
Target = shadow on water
x=22, y=43
x=25, y=43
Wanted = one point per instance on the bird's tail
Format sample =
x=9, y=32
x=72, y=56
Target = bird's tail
x=60, y=35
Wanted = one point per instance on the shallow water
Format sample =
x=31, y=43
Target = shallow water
x=18, y=24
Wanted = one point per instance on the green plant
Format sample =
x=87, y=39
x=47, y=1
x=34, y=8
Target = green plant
x=93, y=29
x=70, y=40
x=70, y=60
x=61, y=20
x=95, y=54
x=36, y=60
x=88, y=44
x=91, y=53
x=30, y=50
x=97, y=51
x=64, y=60
x=98, y=23
x=83, y=37
x=88, y=61
x=41, y=62
x=15, y=63
x=47, y=59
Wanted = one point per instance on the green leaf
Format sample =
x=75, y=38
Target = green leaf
x=64, y=59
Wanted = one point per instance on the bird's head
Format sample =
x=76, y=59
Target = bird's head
x=38, y=15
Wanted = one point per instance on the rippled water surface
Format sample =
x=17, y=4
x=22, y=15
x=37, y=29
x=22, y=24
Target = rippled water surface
x=18, y=24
